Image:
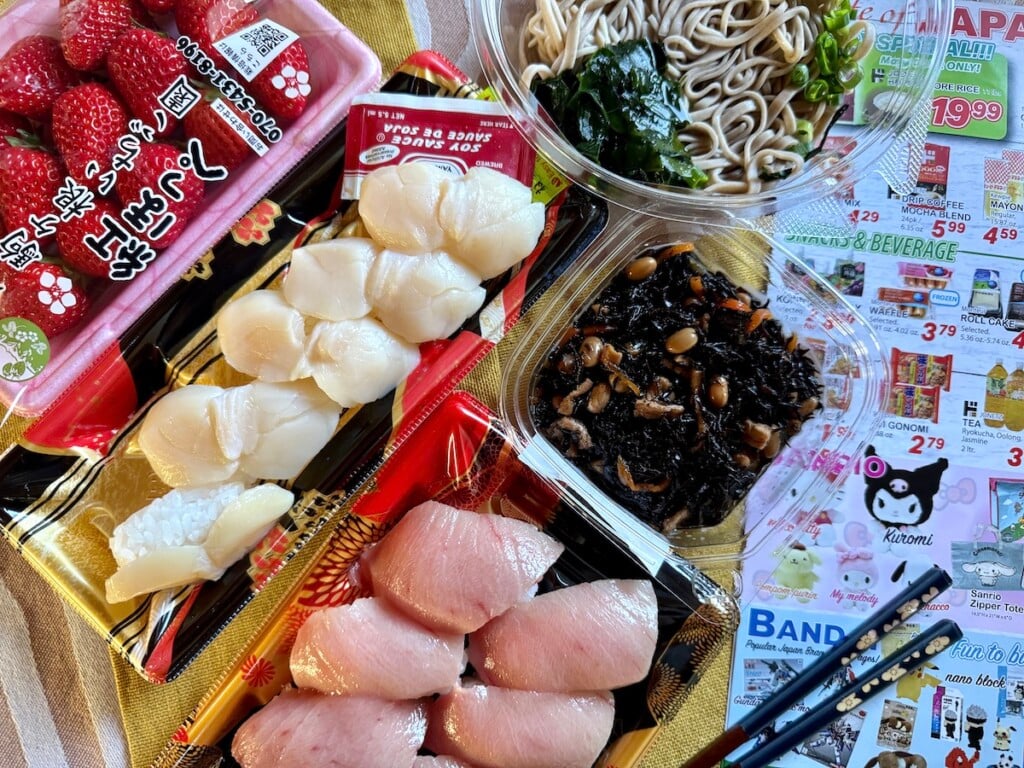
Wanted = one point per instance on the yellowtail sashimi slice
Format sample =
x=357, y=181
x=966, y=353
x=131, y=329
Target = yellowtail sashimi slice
x=494, y=727
x=454, y=570
x=589, y=637
x=305, y=729
x=371, y=649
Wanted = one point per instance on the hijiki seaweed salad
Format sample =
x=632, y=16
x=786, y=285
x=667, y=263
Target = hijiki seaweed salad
x=673, y=390
x=707, y=94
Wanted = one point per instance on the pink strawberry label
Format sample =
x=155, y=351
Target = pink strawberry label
x=452, y=134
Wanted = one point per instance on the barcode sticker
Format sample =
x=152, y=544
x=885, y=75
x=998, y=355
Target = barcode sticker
x=251, y=50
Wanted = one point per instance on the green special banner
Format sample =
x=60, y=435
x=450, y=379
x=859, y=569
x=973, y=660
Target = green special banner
x=970, y=97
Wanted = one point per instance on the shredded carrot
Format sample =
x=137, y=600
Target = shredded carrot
x=696, y=286
x=675, y=250
x=735, y=305
x=759, y=316
x=791, y=343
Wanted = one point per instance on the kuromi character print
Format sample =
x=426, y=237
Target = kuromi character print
x=902, y=497
x=900, y=500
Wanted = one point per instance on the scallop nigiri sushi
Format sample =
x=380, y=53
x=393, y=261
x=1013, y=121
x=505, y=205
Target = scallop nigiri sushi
x=179, y=437
x=328, y=280
x=358, y=361
x=274, y=429
x=425, y=297
x=189, y=535
x=398, y=205
x=489, y=220
x=263, y=336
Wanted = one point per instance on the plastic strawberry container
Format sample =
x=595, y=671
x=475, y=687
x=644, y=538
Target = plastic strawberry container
x=341, y=67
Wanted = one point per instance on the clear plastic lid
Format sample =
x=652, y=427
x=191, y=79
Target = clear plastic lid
x=789, y=488
x=889, y=118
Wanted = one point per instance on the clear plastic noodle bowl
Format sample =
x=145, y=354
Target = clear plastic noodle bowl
x=889, y=139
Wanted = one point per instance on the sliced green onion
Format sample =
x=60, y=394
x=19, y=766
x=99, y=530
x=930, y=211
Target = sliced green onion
x=804, y=131
x=850, y=48
x=834, y=99
x=826, y=53
x=801, y=148
x=835, y=21
x=849, y=77
x=839, y=16
x=816, y=91
x=800, y=76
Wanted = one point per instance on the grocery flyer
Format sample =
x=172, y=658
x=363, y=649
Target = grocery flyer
x=964, y=710
x=940, y=275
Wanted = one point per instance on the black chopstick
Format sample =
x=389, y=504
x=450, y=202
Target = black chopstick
x=909, y=601
x=927, y=645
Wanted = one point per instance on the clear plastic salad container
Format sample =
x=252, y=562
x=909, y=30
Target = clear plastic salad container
x=786, y=490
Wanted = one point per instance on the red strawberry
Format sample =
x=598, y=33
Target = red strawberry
x=159, y=6
x=44, y=294
x=29, y=178
x=72, y=246
x=283, y=87
x=87, y=122
x=206, y=21
x=11, y=125
x=221, y=143
x=88, y=29
x=142, y=65
x=32, y=74
x=149, y=166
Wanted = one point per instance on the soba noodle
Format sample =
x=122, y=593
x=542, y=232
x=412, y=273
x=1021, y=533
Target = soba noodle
x=733, y=59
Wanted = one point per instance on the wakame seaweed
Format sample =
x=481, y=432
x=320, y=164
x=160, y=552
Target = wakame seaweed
x=620, y=110
x=673, y=390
